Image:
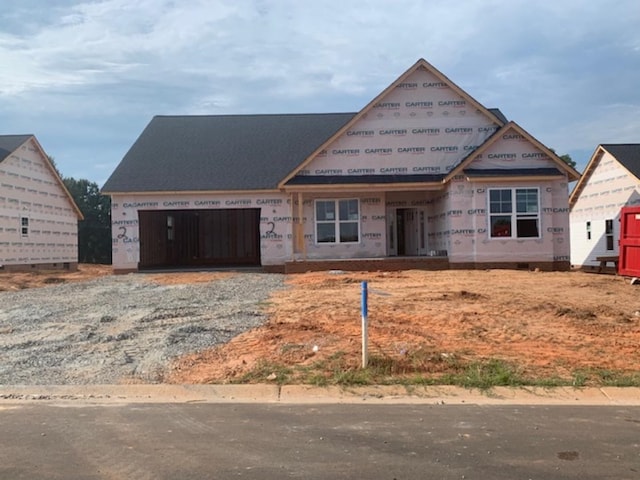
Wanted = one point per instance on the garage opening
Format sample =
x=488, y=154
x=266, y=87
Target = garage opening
x=193, y=238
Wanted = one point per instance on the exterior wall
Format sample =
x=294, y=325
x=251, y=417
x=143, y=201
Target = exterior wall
x=421, y=127
x=373, y=236
x=511, y=151
x=278, y=211
x=468, y=208
x=436, y=235
x=470, y=241
x=369, y=264
x=609, y=188
x=439, y=234
x=275, y=221
x=29, y=189
x=456, y=226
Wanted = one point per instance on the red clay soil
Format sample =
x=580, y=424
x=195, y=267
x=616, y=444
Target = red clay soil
x=12, y=281
x=548, y=324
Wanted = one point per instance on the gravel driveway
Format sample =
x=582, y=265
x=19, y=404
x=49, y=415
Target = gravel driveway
x=121, y=329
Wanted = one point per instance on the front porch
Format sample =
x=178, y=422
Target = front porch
x=392, y=264
x=387, y=264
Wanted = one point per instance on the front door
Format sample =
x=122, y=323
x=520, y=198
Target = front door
x=406, y=232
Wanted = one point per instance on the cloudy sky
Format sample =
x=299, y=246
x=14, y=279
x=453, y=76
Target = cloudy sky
x=87, y=76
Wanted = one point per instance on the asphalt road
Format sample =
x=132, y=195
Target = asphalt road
x=275, y=441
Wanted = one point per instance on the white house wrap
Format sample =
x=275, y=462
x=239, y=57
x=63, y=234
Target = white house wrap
x=38, y=217
x=423, y=171
x=611, y=181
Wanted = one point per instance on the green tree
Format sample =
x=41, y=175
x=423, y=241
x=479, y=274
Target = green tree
x=94, y=232
x=55, y=166
x=566, y=158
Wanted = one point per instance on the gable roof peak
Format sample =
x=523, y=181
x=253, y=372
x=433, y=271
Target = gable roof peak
x=572, y=174
x=494, y=115
x=627, y=154
x=10, y=143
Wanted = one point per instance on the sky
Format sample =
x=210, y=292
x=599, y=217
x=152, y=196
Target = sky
x=86, y=77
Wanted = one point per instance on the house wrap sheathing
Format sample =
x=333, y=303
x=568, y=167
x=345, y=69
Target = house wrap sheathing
x=38, y=217
x=610, y=181
x=422, y=172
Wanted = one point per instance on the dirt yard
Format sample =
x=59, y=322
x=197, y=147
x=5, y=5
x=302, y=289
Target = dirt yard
x=550, y=325
x=13, y=281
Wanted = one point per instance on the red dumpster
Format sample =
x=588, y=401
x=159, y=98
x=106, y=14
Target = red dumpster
x=629, y=263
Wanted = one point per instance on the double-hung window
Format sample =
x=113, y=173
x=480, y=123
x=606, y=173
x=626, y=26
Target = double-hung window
x=514, y=213
x=608, y=232
x=24, y=226
x=338, y=221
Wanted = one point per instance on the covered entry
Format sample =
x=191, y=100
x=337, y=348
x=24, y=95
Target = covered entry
x=184, y=238
x=406, y=231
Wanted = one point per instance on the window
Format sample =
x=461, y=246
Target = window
x=337, y=221
x=608, y=232
x=523, y=221
x=588, y=230
x=170, y=231
x=24, y=226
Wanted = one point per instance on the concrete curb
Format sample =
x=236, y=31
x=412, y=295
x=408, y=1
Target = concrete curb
x=460, y=396
x=142, y=393
x=304, y=394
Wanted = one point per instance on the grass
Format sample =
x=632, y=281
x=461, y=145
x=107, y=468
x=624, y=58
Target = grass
x=606, y=378
x=425, y=368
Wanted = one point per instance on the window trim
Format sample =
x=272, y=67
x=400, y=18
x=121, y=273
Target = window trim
x=336, y=221
x=514, y=215
x=609, y=235
x=24, y=226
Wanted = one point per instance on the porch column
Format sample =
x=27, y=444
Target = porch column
x=297, y=227
x=294, y=229
x=300, y=243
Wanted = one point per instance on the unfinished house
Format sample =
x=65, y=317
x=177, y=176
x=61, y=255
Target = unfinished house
x=423, y=176
x=38, y=217
x=610, y=182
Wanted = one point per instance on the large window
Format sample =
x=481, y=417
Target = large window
x=337, y=221
x=514, y=213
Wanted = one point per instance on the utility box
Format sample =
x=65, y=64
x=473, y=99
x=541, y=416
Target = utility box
x=629, y=263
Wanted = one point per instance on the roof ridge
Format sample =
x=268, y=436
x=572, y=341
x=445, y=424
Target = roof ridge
x=621, y=144
x=227, y=115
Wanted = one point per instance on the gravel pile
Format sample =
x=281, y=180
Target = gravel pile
x=121, y=329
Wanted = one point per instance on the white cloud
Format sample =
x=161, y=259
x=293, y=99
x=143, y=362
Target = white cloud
x=566, y=71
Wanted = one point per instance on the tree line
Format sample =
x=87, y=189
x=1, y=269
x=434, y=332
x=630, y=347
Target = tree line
x=94, y=232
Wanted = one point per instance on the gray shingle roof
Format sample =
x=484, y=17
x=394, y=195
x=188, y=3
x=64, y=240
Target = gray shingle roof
x=628, y=154
x=9, y=144
x=499, y=114
x=361, y=179
x=509, y=172
x=221, y=152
